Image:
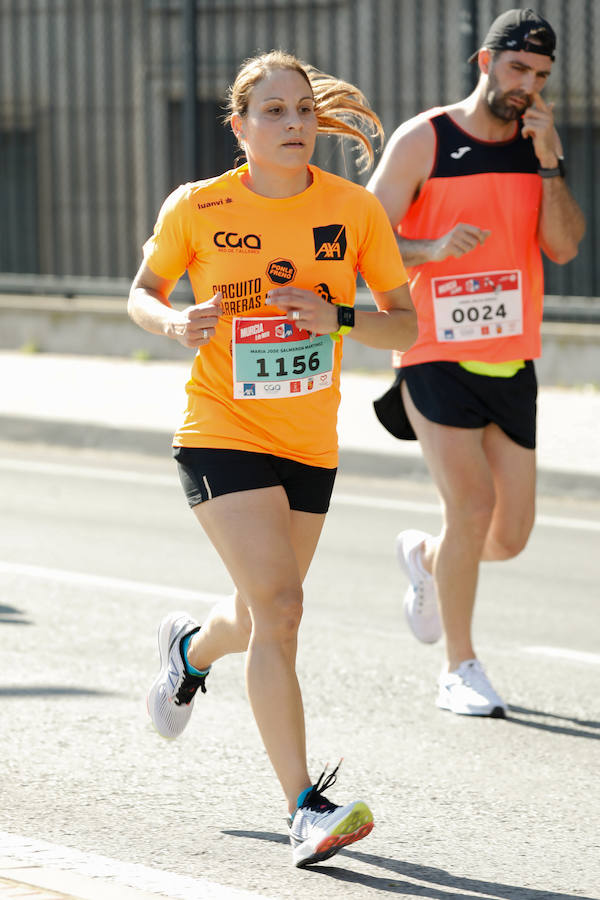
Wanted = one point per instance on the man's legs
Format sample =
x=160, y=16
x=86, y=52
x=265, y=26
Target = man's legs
x=513, y=470
x=487, y=486
x=461, y=472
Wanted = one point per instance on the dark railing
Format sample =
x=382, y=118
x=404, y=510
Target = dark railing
x=105, y=106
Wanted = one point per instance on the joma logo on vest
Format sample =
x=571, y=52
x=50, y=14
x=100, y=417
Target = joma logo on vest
x=330, y=242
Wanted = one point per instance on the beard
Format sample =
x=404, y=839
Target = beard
x=499, y=103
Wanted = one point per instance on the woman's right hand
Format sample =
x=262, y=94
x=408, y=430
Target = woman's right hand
x=149, y=307
x=195, y=325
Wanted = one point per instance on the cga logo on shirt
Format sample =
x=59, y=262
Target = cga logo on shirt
x=281, y=271
x=330, y=242
x=233, y=241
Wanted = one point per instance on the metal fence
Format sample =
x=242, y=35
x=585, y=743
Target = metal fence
x=106, y=105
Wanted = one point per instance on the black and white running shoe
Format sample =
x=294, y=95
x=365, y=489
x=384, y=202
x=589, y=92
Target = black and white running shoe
x=171, y=697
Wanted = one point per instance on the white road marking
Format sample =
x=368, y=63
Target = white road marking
x=99, y=472
x=104, y=582
x=123, y=585
x=339, y=498
x=592, y=659
x=386, y=503
x=435, y=509
x=565, y=522
x=25, y=852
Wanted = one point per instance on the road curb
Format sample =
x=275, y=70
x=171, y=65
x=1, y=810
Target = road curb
x=352, y=461
x=39, y=869
x=47, y=884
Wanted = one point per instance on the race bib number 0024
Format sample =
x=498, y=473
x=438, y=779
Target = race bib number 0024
x=272, y=358
x=478, y=306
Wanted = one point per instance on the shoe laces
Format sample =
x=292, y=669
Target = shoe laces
x=477, y=676
x=418, y=583
x=314, y=799
x=188, y=687
x=419, y=592
x=472, y=674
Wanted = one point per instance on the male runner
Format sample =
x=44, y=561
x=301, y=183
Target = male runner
x=474, y=190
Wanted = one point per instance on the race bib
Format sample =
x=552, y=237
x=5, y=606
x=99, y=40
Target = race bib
x=273, y=358
x=481, y=305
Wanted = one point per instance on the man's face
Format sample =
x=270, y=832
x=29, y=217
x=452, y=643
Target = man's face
x=513, y=77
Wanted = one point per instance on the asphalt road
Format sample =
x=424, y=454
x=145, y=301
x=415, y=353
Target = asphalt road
x=95, y=548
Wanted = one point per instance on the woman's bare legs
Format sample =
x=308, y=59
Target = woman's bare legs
x=267, y=549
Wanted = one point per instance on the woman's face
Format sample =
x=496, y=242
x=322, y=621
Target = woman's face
x=279, y=129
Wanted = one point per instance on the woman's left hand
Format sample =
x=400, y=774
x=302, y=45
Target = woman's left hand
x=305, y=308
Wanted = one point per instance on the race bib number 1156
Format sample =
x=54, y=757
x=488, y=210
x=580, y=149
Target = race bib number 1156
x=272, y=358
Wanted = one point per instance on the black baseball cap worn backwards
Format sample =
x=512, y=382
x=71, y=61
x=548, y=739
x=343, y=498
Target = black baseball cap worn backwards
x=520, y=29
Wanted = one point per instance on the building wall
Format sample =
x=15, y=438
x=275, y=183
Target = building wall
x=92, y=98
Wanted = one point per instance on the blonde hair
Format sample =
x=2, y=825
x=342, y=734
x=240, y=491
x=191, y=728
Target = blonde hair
x=340, y=107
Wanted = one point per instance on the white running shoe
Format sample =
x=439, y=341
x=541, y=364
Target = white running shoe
x=171, y=697
x=420, y=603
x=467, y=691
x=319, y=828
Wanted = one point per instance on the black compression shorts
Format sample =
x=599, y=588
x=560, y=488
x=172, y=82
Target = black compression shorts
x=446, y=393
x=208, y=473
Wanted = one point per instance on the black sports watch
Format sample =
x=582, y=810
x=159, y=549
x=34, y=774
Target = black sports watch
x=345, y=317
x=557, y=171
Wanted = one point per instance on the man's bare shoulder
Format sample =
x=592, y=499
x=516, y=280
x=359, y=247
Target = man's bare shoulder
x=415, y=131
x=406, y=163
x=414, y=140
x=419, y=129
x=409, y=154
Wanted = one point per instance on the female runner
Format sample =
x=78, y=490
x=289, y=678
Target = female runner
x=275, y=246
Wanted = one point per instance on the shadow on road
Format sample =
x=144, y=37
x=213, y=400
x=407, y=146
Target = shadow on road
x=472, y=888
x=10, y=615
x=555, y=729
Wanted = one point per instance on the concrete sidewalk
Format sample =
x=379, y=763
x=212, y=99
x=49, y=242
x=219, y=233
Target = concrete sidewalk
x=122, y=404
x=40, y=870
x=50, y=884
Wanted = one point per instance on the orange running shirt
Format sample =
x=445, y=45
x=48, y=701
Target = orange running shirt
x=235, y=241
x=487, y=304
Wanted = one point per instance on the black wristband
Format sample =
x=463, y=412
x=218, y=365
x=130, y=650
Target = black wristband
x=558, y=171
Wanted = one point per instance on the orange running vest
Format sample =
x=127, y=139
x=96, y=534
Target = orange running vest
x=486, y=305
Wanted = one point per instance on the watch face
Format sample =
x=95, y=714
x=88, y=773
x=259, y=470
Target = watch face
x=346, y=316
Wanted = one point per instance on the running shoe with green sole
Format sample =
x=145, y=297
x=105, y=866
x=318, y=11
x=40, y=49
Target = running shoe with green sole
x=319, y=828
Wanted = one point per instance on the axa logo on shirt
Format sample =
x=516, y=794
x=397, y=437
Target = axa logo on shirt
x=330, y=242
x=233, y=241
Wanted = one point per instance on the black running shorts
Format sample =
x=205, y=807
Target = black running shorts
x=208, y=473
x=446, y=393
